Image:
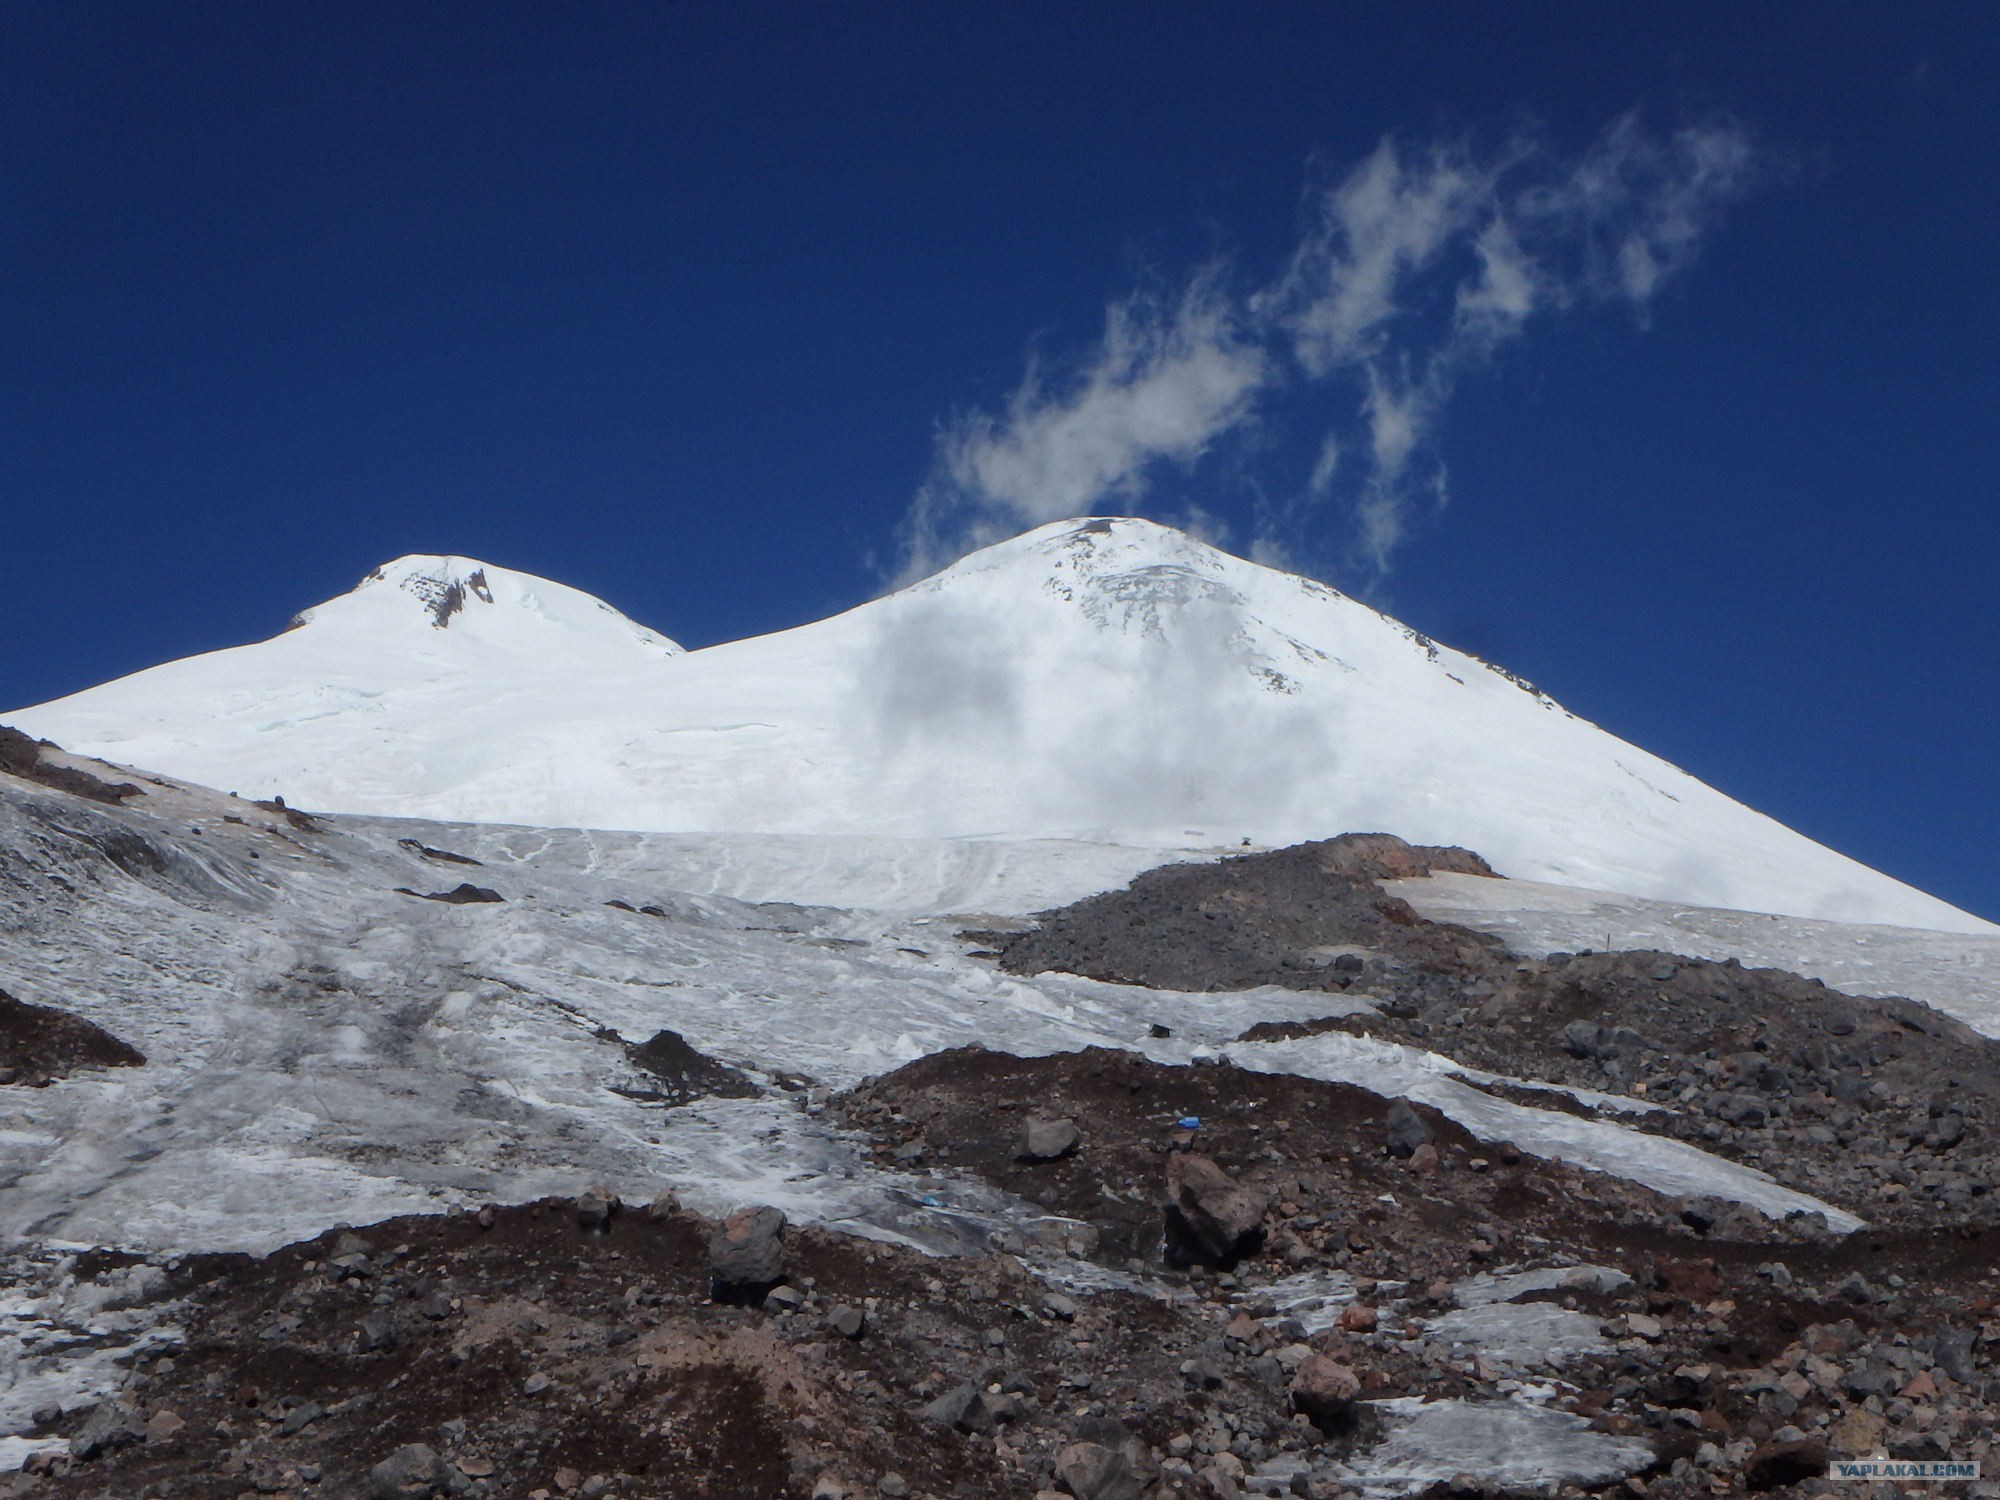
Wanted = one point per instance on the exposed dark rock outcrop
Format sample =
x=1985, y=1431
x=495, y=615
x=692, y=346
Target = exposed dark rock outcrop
x=21, y=756
x=39, y=1044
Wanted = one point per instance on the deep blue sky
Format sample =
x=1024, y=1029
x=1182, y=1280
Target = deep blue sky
x=670, y=302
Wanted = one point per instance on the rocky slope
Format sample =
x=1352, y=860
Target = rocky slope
x=1145, y=1235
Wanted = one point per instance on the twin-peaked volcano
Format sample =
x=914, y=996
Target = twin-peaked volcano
x=1104, y=679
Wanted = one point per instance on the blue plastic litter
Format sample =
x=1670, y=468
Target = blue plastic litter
x=931, y=1201
x=1188, y=1122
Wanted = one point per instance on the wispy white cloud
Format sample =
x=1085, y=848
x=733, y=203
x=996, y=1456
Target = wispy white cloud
x=1164, y=381
x=1413, y=269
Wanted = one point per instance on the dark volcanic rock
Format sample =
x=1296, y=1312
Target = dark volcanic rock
x=746, y=1255
x=1406, y=1130
x=443, y=856
x=962, y=1407
x=39, y=1043
x=21, y=756
x=413, y=1472
x=684, y=1074
x=1777, y=1464
x=113, y=1425
x=1210, y=1217
x=1091, y=1471
x=463, y=894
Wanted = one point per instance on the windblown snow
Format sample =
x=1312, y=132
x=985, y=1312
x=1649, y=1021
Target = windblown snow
x=1104, y=680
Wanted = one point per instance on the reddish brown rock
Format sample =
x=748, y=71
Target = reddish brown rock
x=1323, y=1390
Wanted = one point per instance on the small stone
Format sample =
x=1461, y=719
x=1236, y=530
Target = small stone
x=1056, y=1305
x=892, y=1485
x=1356, y=1317
x=299, y=1418
x=847, y=1321
x=536, y=1384
x=1424, y=1159
x=783, y=1299
x=829, y=1488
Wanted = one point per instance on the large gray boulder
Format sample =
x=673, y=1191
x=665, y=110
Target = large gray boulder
x=1091, y=1471
x=1210, y=1217
x=1049, y=1140
x=746, y=1255
x=1406, y=1129
x=413, y=1472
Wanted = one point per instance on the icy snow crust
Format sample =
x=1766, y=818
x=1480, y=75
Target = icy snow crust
x=1105, y=681
x=324, y=1050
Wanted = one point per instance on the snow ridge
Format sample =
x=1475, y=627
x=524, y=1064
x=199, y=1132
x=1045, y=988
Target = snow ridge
x=1103, y=679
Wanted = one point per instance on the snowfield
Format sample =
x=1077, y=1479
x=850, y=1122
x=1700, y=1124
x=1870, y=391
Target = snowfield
x=323, y=1049
x=1105, y=681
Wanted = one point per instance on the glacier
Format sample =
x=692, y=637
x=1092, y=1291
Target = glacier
x=1106, y=681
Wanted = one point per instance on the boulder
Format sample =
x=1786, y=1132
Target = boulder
x=1049, y=1140
x=1324, y=1390
x=378, y=1332
x=746, y=1255
x=1777, y=1464
x=595, y=1210
x=1091, y=1471
x=412, y=1472
x=1406, y=1129
x=112, y=1425
x=1210, y=1217
x=963, y=1407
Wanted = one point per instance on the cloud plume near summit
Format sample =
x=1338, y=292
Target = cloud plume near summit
x=1412, y=269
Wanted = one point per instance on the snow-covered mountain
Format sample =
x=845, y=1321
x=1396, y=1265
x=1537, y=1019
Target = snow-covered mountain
x=1098, y=679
